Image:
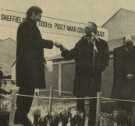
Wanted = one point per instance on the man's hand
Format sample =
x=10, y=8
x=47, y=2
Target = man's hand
x=60, y=46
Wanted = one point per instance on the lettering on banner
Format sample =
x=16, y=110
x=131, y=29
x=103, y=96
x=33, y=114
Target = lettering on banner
x=58, y=26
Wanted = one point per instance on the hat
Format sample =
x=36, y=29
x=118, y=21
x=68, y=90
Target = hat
x=128, y=38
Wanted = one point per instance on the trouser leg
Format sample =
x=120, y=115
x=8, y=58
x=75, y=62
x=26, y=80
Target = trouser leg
x=23, y=104
x=80, y=105
x=92, y=112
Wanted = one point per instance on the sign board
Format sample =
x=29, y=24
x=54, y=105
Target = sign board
x=48, y=25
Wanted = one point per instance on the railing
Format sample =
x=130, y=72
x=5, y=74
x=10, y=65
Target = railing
x=102, y=118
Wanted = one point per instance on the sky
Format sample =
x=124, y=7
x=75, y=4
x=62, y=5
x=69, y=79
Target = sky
x=77, y=10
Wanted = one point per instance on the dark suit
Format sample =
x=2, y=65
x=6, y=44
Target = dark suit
x=1, y=77
x=29, y=63
x=88, y=69
x=124, y=64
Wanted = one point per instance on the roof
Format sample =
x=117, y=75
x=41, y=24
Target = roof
x=122, y=23
x=121, y=9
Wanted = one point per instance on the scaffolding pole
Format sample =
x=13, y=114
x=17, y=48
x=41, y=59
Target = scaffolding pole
x=98, y=110
x=50, y=100
x=13, y=108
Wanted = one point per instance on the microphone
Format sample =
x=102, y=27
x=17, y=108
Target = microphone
x=93, y=37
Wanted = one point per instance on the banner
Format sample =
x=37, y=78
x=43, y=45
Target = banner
x=49, y=25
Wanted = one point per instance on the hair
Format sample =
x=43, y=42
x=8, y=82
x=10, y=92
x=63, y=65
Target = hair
x=93, y=23
x=91, y=27
x=34, y=9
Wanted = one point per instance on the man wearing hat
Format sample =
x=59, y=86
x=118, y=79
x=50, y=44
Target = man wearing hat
x=124, y=74
x=91, y=57
x=29, y=62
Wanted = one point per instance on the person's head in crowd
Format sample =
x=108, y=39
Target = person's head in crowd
x=91, y=28
x=13, y=82
x=37, y=113
x=128, y=41
x=0, y=68
x=34, y=13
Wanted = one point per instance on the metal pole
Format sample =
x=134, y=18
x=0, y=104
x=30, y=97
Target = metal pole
x=60, y=79
x=13, y=108
x=98, y=110
x=50, y=100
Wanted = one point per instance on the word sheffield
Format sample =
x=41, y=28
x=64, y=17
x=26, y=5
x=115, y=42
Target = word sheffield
x=11, y=18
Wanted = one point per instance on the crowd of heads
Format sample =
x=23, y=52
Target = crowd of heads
x=74, y=118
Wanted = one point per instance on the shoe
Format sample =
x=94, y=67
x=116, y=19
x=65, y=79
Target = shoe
x=19, y=118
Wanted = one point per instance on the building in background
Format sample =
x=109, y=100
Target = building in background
x=122, y=23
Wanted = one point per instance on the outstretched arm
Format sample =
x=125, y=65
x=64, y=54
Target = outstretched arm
x=32, y=39
x=68, y=54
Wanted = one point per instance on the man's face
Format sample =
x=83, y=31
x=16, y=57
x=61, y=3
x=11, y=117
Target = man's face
x=128, y=43
x=36, y=16
x=90, y=29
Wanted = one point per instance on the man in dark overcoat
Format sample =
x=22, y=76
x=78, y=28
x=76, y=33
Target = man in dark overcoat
x=124, y=74
x=1, y=76
x=29, y=62
x=91, y=57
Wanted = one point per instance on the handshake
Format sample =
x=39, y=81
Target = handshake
x=60, y=46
